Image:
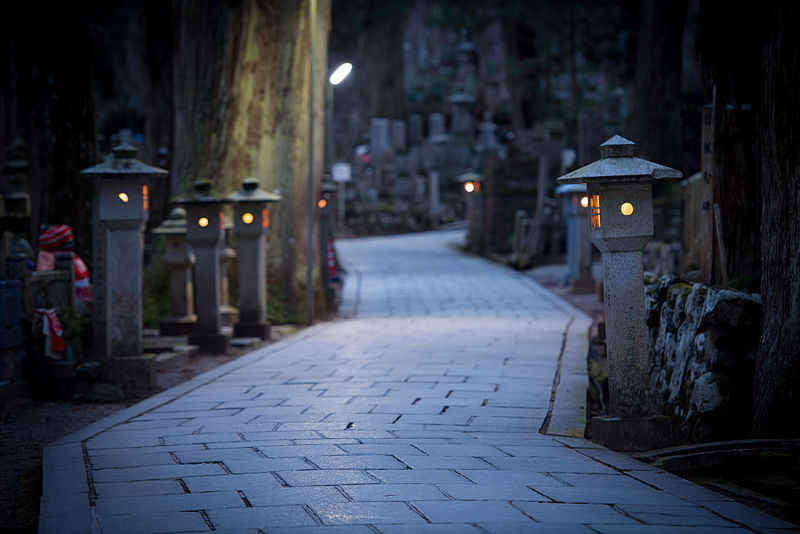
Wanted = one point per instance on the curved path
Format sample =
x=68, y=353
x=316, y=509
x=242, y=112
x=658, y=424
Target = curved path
x=442, y=402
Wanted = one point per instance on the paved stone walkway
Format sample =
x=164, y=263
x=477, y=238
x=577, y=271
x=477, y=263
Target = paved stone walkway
x=443, y=403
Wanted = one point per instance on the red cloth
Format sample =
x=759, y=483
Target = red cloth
x=53, y=329
x=58, y=237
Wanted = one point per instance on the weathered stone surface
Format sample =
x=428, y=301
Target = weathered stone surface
x=104, y=392
x=702, y=343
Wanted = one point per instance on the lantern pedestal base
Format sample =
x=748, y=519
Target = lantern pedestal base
x=631, y=434
x=177, y=326
x=247, y=329
x=136, y=375
x=210, y=343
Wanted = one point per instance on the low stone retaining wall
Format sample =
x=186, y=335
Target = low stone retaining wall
x=703, y=345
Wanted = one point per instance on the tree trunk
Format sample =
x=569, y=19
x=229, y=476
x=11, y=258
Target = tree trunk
x=730, y=56
x=777, y=379
x=657, y=113
x=241, y=82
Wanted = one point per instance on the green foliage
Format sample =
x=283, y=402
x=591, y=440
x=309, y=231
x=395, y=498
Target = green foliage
x=155, y=279
x=278, y=309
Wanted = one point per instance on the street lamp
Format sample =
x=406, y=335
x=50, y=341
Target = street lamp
x=338, y=171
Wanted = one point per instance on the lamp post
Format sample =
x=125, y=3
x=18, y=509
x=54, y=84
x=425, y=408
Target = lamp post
x=120, y=208
x=250, y=224
x=205, y=231
x=621, y=219
x=338, y=172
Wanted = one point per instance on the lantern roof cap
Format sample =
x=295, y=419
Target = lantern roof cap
x=121, y=163
x=566, y=189
x=251, y=193
x=618, y=165
x=174, y=224
x=202, y=193
x=469, y=176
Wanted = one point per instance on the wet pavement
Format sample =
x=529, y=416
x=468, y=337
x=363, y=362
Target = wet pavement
x=447, y=399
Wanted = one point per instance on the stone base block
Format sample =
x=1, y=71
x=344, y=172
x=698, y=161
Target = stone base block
x=135, y=374
x=211, y=343
x=243, y=329
x=631, y=434
x=177, y=326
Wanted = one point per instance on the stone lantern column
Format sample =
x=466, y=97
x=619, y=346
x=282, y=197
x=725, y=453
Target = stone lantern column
x=229, y=315
x=621, y=222
x=120, y=207
x=250, y=225
x=205, y=231
x=579, y=249
x=179, y=259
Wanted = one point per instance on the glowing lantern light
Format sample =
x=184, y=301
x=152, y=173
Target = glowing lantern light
x=322, y=203
x=123, y=197
x=469, y=187
x=202, y=221
x=626, y=208
x=247, y=217
x=585, y=202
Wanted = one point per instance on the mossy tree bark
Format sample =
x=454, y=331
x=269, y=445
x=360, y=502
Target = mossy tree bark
x=777, y=380
x=241, y=97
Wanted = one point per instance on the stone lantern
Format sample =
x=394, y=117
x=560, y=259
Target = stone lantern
x=179, y=259
x=120, y=209
x=621, y=221
x=575, y=201
x=250, y=224
x=205, y=231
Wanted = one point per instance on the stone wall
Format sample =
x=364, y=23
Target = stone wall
x=703, y=344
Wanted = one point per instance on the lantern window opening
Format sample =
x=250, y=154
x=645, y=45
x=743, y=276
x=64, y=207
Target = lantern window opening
x=247, y=217
x=202, y=222
x=585, y=201
x=322, y=203
x=221, y=221
x=123, y=197
x=626, y=208
x=265, y=218
x=145, y=199
x=594, y=212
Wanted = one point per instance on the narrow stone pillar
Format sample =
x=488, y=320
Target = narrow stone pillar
x=621, y=221
x=179, y=259
x=228, y=314
x=120, y=205
x=205, y=231
x=250, y=225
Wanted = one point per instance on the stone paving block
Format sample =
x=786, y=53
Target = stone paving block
x=65, y=524
x=468, y=512
x=370, y=513
x=530, y=527
x=394, y=492
x=444, y=462
x=677, y=486
x=664, y=529
x=747, y=516
x=324, y=477
x=301, y=450
x=550, y=465
x=256, y=483
x=457, y=449
x=364, y=461
x=124, y=474
x=485, y=492
x=451, y=528
x=294, y=495
x=264, y=518
x=391, y=449
x=601, y=481
x=182, y=502
x=154, y=523
x=137, y=489
x=419, y=476
x=679, y=514
x=498, y=478
x=622, y=497
x=215, y=437
x=594, y=514
x=102, y=461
